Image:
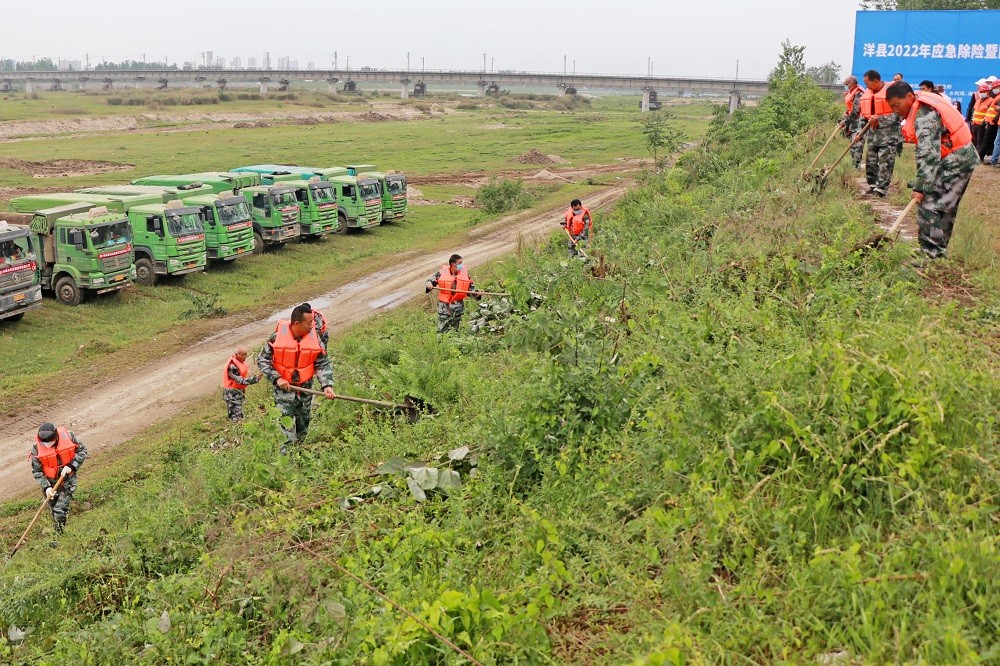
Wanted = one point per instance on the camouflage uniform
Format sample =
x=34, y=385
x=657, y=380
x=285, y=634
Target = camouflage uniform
x=853, y=122
x=295, y=405
x=582, y=242
x=449, y=314
x=234, y=397
x=943, y=182
x=60, y=505
x=883, y=143
x=319, y=323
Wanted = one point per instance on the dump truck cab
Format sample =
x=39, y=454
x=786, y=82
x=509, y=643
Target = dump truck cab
x=317, y=207
x=355, y=169
x=272, y=173
x=218, y=181
x=228, y=225
x=169, y=240
x=393, y=190
x=82, y=248
x=165, y=193
x=275, y=212
x=19, y=276
x=359, y=202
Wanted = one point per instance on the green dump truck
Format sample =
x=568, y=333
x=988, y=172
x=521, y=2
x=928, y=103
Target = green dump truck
x=81, y=247
x=275, y=212
x=392, y=187
x=318, y=210
x=19, y=287
x=165, y=193
x=228, y=225
x=219, y=181
x=359, y=201
x=355, y=169
x=169, y=240
x=119, y=203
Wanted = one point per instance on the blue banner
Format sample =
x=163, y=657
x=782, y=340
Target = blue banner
x=951, y=48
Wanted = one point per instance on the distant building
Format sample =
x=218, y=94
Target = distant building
x=209, y=58
x=237, y=63
x=283, y=62
x=267, y=61
x=69, y=65
x=310, y=65
x=293, y=64
x=220, y=62
x=251, y=63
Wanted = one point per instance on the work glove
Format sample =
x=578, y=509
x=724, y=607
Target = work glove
x=66, y=471
x=50, y=493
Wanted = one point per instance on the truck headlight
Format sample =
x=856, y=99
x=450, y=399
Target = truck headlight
x=174, y=263
x=97, y=281
x=224, y=248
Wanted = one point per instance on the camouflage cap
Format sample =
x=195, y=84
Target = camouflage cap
x=47, y=432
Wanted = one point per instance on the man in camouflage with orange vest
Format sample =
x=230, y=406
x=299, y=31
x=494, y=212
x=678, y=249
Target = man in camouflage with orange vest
x=319, y=323
x=57, y=454
x=577, y=221
x=851, y=121
x=294, y=356
x=946, y=158
x=235, y=380
x=884, y=137
x=453, y=286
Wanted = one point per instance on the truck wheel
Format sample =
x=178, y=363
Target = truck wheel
x=258, y=243
x=341, y=225
x=18, y=317
x=144, y=272
x=67, y=292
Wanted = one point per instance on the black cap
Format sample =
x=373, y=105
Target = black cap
x=47, y=432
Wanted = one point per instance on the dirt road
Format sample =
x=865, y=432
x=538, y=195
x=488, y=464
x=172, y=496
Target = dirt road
x=110, y=413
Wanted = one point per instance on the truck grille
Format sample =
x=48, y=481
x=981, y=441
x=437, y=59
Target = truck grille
x=112, y=264
x=291, y=216
x=326, y=216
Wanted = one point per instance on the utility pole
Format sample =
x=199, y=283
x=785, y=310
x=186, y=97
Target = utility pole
x=564, y=65
x=421, y=63
x=574, y=66
x=491, y=65
x=737, y=69
x=334, y=60
x=144, y=61
x=407, y=61
x=484, y=63
x=88, y=61
x=348, y=63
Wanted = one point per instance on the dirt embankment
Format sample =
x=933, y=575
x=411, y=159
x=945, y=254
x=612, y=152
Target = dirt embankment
x=164, y=388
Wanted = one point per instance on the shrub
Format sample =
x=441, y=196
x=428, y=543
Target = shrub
x=502, y=196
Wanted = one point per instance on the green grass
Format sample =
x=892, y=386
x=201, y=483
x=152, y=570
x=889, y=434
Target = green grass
x=744, y=440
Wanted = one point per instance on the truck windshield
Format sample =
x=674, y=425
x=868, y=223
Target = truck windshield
x=107, y=235
x=233, y=213
x=396, y=185
x=184, y=224
x=284, y=199
x=323, y=195
x=369, y=190
x=15, y=249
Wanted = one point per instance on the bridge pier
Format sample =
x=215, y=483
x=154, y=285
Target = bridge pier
x=404, y=91
x=263, y=85
x=5, y=86
x=645, y=99
x=482, y=89
x=332, y=85
x=29, y=87
x=734, y=101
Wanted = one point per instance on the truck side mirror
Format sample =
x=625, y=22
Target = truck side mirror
x=158, y=227
x=76, y=238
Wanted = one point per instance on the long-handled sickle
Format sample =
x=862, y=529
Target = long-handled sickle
x=24, y=537
x=411, y=410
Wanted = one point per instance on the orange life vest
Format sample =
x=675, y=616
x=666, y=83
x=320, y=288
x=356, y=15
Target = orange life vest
x=956, y=132
x=453, y=288
x=575, y=222
x=54, y=458
x=319, y=321
x=991, y=111
x=982, y=108
x=227, y=381
x=874, y=104
x=293, y=359
x=849, y=98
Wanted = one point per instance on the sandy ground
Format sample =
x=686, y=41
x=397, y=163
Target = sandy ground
x=141, y=123
x=161, y=389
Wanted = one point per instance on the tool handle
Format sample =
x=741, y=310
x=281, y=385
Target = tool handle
x=471, y=293
x=24, y=537
x=348, y=398
x=574, y=241
x=825, y=145
x=864, y=130
x=902, y=215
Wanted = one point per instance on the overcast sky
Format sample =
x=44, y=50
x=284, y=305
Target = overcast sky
x=690, y=38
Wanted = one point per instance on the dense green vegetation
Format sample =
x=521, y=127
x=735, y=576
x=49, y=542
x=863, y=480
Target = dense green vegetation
x=742, y=436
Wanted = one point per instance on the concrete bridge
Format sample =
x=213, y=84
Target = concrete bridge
x=409, y=82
